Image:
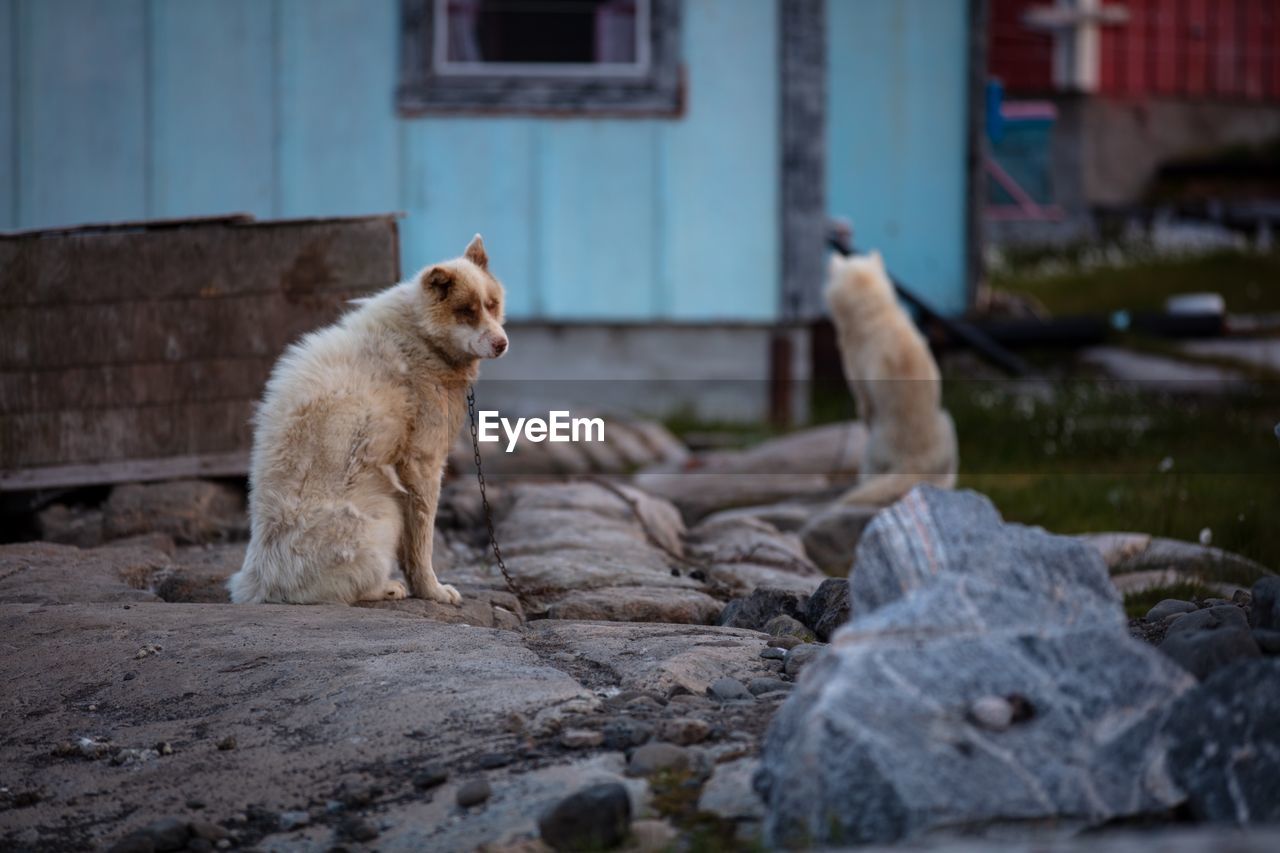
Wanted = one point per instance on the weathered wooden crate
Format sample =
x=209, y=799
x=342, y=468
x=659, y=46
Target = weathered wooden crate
x=136, y=351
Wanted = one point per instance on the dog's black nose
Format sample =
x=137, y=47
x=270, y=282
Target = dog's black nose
x=500, y=347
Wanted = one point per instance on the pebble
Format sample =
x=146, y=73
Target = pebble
x=799, y=657
x=775, y=696
x=625, y=732
x=1268, y=640
x=684, y=730
x=358, y=829
x=581, y=738
x=594, y=818
x=653, y=757
x=783, y=625
x=494, y=760
x=166, y=834
x=1168, y=607
x=993, y=713
x=760, y=686
x=786, y=643
x=207, y=830
x=226, y=744
x=474, y=793
x=430, y=776
x=728, y=690
x=773, y=653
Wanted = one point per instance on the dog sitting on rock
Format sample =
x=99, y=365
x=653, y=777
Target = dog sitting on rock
x=895, y=381
x=352, y=435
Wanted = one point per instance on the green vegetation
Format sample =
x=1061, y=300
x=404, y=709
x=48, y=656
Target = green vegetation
x=1067, y=283
x=1087, y=456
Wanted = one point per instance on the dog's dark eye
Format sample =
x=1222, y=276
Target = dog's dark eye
x=492, y=307
x=467, y=313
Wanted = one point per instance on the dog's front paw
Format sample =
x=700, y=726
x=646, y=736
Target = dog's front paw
x=444, y=594
x=394, y=591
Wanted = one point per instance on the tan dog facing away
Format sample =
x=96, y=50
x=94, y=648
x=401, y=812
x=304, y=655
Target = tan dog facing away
x=351, y=438
x=910, y=437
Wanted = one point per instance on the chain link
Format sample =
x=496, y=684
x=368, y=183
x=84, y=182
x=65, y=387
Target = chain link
x=484, y=500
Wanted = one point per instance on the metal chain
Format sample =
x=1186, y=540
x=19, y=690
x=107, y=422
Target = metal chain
x=484, y=500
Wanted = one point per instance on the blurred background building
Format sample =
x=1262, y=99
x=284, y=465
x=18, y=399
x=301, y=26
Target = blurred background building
x=1124, y=109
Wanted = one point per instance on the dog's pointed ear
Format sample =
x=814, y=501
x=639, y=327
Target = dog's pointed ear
x=437, y=282
x=476, y=253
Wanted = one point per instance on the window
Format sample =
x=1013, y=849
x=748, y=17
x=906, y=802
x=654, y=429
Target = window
x=540, y=56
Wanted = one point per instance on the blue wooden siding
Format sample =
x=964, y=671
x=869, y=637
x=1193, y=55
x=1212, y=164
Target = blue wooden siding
x=897, y=128
x=156, y=108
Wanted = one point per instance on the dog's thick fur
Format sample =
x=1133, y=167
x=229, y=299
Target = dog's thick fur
x=910, y=437
x=352, y=435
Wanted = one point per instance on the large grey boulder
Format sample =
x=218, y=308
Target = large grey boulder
x=1226, y=744
x=953, y=611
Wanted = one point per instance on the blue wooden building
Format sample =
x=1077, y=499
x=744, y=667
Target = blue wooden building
x=671, y=170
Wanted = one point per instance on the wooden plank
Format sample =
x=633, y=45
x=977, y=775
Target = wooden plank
x=83, y=90
x=112, y=386
x=212, y=107
x=338, y=144
x=475, y=176
x=1253, y=48
x=596, y=236
x=1163, y=49
x=292, y=259
x=109, y=435
x=721, y=233
x=1197, y=48
x=234, y=464
x=1226, y=49
x=1137, y=36
x=8, y=114
x=63, y=336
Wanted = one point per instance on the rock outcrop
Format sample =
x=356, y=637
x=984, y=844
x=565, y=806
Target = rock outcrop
x=891, y=734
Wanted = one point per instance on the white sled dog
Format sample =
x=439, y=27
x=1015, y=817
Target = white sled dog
x=910, y=437
x=352, y=435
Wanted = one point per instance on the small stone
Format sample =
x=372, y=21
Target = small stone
x=164, y=748
x=227, y=744
x=625, y=732
x=130, y=676
x=1265, y=600
x=1268, y=641
x=208, y=830
x=290, y=821
x=163, y=835
x=1167, y=608
x=828, y=607
x=1206, y=640
x=654, y=757
x=992, y=712
x=430, y=776
x=786, y=643
x=761, y=686
x=684, y=731
x=358, y=829
x=774, y=696
x=594, y=818
x=1241, y=598
x=764, y=603
x=787, y=626
x=222, y=844
x=799, y=657
x=474, y=793
x=581, y=738
x=494, y=760
x=773, y=653
x=728, y=690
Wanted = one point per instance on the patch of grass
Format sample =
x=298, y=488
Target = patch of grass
x=1137, y=604
x=1245, y=279
x=1085, y=456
